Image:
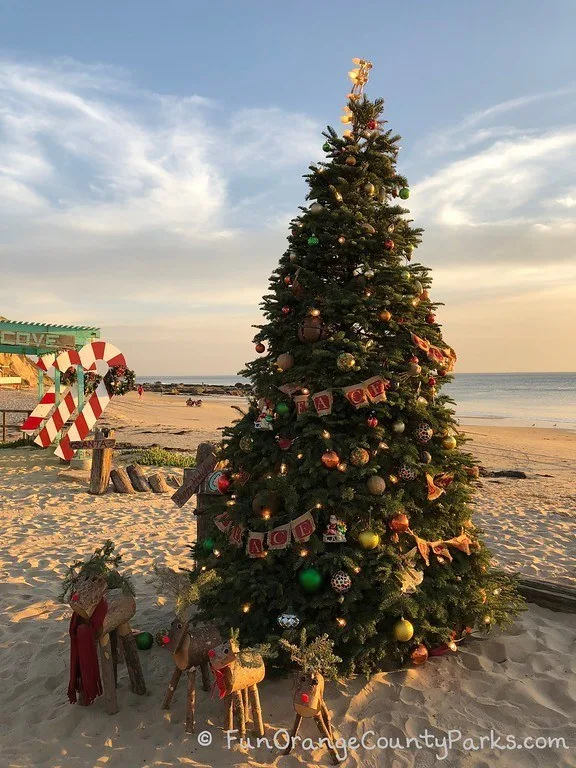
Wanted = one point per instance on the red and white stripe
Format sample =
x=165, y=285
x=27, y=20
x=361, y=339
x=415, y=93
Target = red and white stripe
x=41, y=412
x=83, y=423
x=45, y=362
x=54, y=424
x=100, y=350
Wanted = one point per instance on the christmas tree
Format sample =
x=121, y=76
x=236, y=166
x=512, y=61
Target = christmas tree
x=346, y=489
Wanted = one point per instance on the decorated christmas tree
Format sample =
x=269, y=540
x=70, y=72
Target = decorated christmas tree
x=346, y=489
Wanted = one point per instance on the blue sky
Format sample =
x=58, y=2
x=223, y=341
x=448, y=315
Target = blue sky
x=163, y=144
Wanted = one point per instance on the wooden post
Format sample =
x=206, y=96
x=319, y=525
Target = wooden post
x=137, y=683
x=175, y=679
x=205, y=671
x=138, y=478
x=157, y=483
x=204, y=501
x=191, y=700
x=256, y=709
x=101, y=464
x=121, y=481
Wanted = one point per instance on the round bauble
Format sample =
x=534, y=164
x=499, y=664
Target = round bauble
x=316, y=208
x=423, y=433
x=372, y=421
x=345, y=361
x=372, y=125
x=326, y=147
x=260, y=348
x=398, y=426
x=359, y=457
x=368, y=228
x=449, y=443
x=311, y=329
x=393, y=385
x=407, y=473
x=404, y=193
x=350, y=160
x=313, y=240
x=421, y=401
x=430, y=318
x=419, y=655
x=286, y=309
x=405, y=275
x=282, y=409
x=369, y=539
x=403, y=631
x=246, y=443
x=330, y=459
x=418, y=287
x=347, y=494
x=293, y=257
x=399, y=523
x=369, y=188
x=376, y=485
x=310, y=579
x=288, y=620
x=425, y=457
x=285, y=361
x=432, y=381
x=340, y=581
x=389, y=244
x=144, y=641
x=385, y=316
x=224, y=482
x=341, y=239
x=208, y=544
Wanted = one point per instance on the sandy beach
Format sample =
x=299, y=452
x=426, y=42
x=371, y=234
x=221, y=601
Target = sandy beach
x=520, y=683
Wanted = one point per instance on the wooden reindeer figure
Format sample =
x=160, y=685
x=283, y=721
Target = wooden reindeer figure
x=237, y=676
x=190, y=648
x=101, y=616
x=308, y=693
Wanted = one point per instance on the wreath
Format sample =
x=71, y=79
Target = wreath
x=118, y=380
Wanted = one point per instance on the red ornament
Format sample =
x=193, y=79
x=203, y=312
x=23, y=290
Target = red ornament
x=286, y=310
x=414, y=359
x=389, y=244
x=287, y=279
x=372, y=421
x=223, y=483
x=431, y=381
x=371, y=124
x=399, y=523
x=430, y=318
x=260, y=348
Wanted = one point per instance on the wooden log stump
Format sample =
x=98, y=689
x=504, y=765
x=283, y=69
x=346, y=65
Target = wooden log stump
x=108, y=678
x=158, y=483
x=137, y=683
x=121, y=608
x=138, y=478
x=121, y=481
x=173, y=684
x=101, y=464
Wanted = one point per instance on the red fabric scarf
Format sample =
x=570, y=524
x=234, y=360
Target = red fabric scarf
x=219, y=682
x=84, y=669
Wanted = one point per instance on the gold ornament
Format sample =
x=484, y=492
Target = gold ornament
x=449, y=443
x=369, y=188
x=369, y=539
x=350, y=160
x=359, y=457
x=403, y=631
x=385, y=316
x=376, y=485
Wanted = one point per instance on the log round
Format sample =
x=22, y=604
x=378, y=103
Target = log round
x=121, y=608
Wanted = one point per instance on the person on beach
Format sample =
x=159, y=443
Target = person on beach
x=140, y=391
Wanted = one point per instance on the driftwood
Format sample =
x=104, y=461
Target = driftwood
x=101, y=464
x=138, y=478
x=121, y=481
x=237, y=677
x=158, y=483
x=556, y=597
x=515, y=474
x=308, y=701
x=190, y=649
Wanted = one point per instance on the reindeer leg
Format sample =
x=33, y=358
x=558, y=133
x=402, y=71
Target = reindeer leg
x=325, y=733
x=326, y=717
x=256, y=709
x=229, y=713
x=205, y=670
x=172, y=685
x=240, y=709
x=191, y=700
x=295, y=727
x=244, y=693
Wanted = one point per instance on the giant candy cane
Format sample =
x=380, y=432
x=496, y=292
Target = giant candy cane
x=93, y=407
x=47, y=401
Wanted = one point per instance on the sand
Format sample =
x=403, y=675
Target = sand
x=520, y=683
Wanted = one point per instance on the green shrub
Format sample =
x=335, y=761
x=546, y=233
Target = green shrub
x=160, y=457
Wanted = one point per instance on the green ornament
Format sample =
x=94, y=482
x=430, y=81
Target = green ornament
x=282, y=409
x=310, y=579
x=404, y=193
x=326, y=147
x=208, y=545
x=405, y=275
x=313, y=240
x=144, y=641
x=345, y=361
x=348, y=494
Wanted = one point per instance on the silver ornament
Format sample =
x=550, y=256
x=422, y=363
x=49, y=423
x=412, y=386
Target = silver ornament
x=316, y=208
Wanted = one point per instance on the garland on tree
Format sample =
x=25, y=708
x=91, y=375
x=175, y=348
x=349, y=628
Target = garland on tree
x=346, y=492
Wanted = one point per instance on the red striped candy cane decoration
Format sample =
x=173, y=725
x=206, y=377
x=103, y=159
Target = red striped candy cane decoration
x=98, y=400
x=47, y=401
x=54, y=424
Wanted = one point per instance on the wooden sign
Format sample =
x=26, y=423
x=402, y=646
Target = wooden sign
x=193, y=481
x=90, y=445
x=42, y=340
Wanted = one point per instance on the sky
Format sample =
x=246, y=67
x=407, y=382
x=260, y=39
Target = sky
x=152, y=153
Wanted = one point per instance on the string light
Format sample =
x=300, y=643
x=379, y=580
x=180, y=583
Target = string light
x=341, y=622
x=326, y=434
x=318, y=506
x=266, y=513
x=452, y=645
x=357, y=569
x=487, y=620
x=497, y=591
x=203, y=568
x=342, y=466
x=303, y=552
x=230, y=503
x=216, y=552
x=314, y=312
x=305, y=391
x=246, y=608
x=283, y=469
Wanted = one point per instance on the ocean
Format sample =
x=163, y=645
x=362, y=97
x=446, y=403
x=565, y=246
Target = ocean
x=508, y=399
